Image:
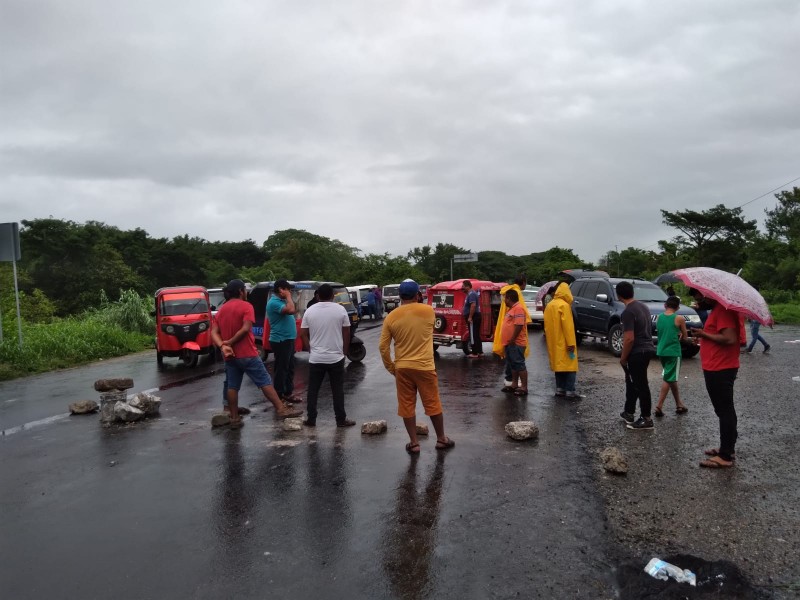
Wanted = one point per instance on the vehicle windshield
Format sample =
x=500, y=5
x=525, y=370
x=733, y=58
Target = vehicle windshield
x=172, y=306
x=647, y=292
x=391, y=290
x=216, y=298
x=342, y=297
x=529, y=295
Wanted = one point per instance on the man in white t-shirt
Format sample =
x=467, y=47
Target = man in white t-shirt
x=325, y=331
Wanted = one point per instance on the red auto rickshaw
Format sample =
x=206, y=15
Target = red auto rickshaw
x=183, y=323
x=447, y=301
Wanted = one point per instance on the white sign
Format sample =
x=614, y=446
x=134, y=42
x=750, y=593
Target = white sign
x=459, y=258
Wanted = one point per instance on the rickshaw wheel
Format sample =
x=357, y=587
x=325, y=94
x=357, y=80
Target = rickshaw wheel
x=190, y=360
x=357, y=354
x=159, y=359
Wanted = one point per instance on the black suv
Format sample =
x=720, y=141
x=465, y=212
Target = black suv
x=597, y=311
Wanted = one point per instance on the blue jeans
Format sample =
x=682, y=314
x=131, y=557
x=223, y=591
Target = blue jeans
x=565, y=380
x=236, y=368
x=755, y=336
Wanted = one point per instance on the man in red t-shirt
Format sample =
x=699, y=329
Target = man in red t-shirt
x=719, y=358
x=232, y=334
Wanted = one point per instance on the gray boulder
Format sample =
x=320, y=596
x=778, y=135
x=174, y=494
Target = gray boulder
x=614, y=461
x=126, y=413
x=113, y=397
x=83, y=407
x=117, y=383
x=374, y=427
x=147, y=403
x=422, y=429
x=522, y=430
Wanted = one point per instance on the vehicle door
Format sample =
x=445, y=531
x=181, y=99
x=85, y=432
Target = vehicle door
x=488, y=319
x=599, y=307
x=580, y=304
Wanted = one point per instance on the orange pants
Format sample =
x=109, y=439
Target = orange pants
x=411, y=381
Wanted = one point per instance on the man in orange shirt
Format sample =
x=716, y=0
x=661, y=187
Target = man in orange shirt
x=514, y=337
x=410, y=325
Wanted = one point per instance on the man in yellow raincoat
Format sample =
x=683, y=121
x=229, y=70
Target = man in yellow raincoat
x=497, y=345
x=559, y=329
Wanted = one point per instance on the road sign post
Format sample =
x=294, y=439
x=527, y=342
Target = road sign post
x=10, y=251
x=462, y=258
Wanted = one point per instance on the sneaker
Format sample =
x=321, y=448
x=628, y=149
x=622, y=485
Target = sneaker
x=627, y=417
x=641, y=423
x=766, y=350
x=309, y=423
x=287, y=413
x=345, y=423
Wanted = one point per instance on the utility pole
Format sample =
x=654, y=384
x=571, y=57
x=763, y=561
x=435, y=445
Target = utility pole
x=616, y=249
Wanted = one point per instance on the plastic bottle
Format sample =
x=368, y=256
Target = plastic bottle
x=663, y=570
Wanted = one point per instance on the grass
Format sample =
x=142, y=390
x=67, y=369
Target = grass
x=786, y=314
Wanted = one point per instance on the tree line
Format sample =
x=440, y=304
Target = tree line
x=66, y=266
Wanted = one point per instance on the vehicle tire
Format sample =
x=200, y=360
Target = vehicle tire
x=578, y=339
x=439, y=324
x=615, y=338
x=190, y=360
x=159, y=359
x=357, y=353
x=435, y=347
x=465, y=348
x=689, y=350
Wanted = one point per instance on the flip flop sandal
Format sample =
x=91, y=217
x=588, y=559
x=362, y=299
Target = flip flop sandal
x=521, y=392
x=410, y=448
x=715, y=452
x=715, y=463
x=659, y=413
x=682, y=410
x=445, y=445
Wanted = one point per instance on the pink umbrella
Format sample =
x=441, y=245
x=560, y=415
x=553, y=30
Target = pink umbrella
x=730, y=290
x=543, y=291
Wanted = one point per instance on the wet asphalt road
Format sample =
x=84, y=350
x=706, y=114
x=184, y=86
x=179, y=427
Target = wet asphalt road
x=170, y=508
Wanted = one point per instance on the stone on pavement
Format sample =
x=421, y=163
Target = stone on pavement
x=127, y=413
x=293, y=424
x=147, y=403
x=83, y=407
x=522, y=430
x=614, y=461
x=373, y=427
x=116, y=383
x=220, y=420
x=422, y=429
x=113, y=397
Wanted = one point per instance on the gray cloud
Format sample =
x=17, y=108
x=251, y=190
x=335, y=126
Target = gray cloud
x=507, y=125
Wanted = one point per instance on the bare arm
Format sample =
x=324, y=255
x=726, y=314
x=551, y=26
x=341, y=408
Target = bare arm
x=681, y=323
x=216, y=338
x=384, y=346
x=345, y=340
x=290, y=308
x=627, y=346
x=305, y=338
x=726, y=337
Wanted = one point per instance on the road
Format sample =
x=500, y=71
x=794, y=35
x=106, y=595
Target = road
x=169, y=508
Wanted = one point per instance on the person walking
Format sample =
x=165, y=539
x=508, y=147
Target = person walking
x=719, y=358
x=232, y=333
x=325, y=331
x=637, y=348
x=378, y=302
x=370, y=298
x=559, y=329
x=472, y=315
x=282, y=336
x=671, y=328
x=410, y=327
x=755, y=336
x=515, y=343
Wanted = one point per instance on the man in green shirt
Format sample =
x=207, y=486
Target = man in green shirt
x=671, y=329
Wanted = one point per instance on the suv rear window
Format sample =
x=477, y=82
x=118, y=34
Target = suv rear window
x=648, y=292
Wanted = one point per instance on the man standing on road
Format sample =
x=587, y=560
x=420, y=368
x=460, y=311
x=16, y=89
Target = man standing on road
x=515, y=343
x=282, y=336
x=719, y=358
x=325, y=331
x=559, y=329
x=232, y=333
x=378, y=303
x=370, y=298
x=637, y=348
x=472, y=315
x=671, y=329
x=411, y=327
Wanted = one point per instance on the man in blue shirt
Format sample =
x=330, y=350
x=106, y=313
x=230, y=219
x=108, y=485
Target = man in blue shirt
x=472, y=315
x=282, y=336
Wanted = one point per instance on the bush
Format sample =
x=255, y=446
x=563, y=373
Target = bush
x=786, y=314
x=65, y=343
x=131, y=312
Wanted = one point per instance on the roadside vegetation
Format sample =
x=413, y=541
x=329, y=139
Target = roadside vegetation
x=67, y=267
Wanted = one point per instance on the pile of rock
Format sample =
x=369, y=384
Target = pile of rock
x=115, y=407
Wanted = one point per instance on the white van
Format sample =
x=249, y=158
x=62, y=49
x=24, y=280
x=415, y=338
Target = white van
x=358, y=294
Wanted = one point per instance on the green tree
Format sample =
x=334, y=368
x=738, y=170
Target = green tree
x=310, y=256
x=783, y=221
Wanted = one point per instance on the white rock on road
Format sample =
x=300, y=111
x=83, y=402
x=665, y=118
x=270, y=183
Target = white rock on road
x=522, y=430
x=374, y=427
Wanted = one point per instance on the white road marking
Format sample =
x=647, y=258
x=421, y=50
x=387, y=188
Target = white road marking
x=32, y=424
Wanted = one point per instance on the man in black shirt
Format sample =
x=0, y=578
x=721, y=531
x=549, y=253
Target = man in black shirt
x=637, y=348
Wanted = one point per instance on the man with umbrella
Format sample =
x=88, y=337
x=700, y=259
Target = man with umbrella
x=719, y=357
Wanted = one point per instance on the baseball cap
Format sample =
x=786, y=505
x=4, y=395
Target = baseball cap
x=408, y=289
x=235, y=286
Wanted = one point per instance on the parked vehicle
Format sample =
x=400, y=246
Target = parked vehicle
x=183, y=324
x=302, y=293
x=216, y=298
x=597, y=310
x=447, y=300
x=391, y=297
x=535, y=310
x=358, y=295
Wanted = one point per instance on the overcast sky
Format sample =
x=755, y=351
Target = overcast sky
x=495, y=125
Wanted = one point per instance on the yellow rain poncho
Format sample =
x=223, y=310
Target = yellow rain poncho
x=497, y=345
x=559, y=331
